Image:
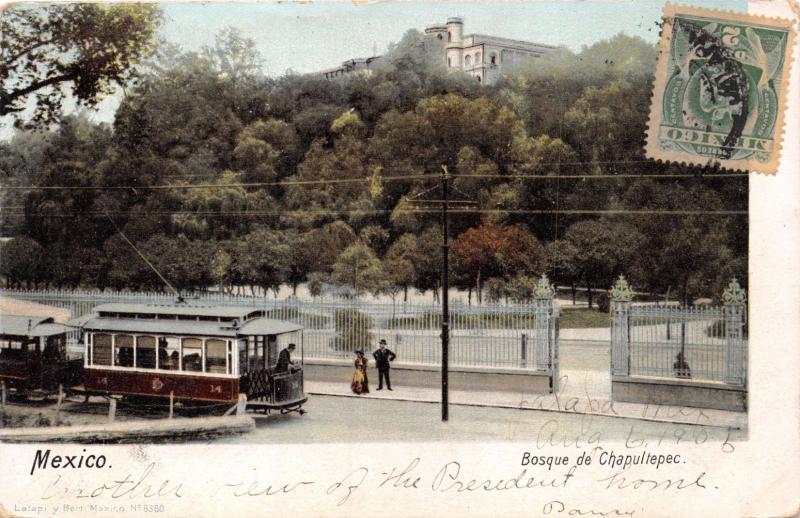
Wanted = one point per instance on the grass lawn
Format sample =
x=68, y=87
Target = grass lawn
x=583, y=317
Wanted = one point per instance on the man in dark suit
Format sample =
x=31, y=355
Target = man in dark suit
x=285, y=359
x=382, y=358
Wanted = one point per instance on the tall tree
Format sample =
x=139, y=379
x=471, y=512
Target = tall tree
x=359, y=269
x=605, y=248
x=401, y=261
x=81, y=50
x=21, y=261
x=492, y=250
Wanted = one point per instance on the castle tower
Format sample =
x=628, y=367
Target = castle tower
x=455, y=35
x=436, y=39
x=455, y=28
x=439, y=30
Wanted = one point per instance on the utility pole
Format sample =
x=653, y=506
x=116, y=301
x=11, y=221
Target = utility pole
x=444, y=203
x=445, y=295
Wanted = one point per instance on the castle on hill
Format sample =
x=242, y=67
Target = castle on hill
x=486, y=58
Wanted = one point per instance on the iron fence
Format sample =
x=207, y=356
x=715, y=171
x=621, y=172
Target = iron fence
x=704, y=343
x=510, y=336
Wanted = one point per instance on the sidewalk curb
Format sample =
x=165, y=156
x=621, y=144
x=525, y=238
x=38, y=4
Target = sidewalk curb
x=518, y=407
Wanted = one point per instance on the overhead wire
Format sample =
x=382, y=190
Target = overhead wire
x=624, y=176
x=333, y=212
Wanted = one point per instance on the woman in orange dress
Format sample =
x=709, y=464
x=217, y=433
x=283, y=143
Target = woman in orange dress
x=360, y=383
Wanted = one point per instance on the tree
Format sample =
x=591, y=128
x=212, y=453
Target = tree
x=428, y=260
x=185, y=263
x=521, y=288
x=73, y=157
x=316, y=280
x=699, y=248
x=560, y=260
x=262, y=259
x=21, y=261
x=343, y=159
x=492, y=251
x=266, y=150
x=496, y=289
x=358, y=268
x=318, y=249
x=375, y=237
x=213, y=211
x=21, y=159
x=401, y=260
x=608, y=124
x=605, y=249
x=122, y=268
x=83, y=50
x=220, y=269
x=400, y=275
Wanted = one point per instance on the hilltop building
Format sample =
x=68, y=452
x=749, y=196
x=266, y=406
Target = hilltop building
x=355, y=65
x=486, y=58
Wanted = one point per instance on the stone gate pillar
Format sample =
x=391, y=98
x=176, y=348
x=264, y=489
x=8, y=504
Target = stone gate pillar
x=734, y=301
x=621, y=296
x=543, y=295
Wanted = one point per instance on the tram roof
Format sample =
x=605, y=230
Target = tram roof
x=196, y=310
x=256, y=326
x=24, y=325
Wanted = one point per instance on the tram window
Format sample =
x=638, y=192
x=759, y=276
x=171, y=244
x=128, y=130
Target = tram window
x=168, y=353
x=215, y=356
x=193, y=354
x=10, y=349
x=146, y=352
x=54, y=349
x=101, y=349
x=123, y=350
x=255, y=353
x=10, y=344
x=242, y=344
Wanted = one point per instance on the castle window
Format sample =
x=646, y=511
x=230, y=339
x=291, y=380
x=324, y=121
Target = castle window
x=439, y=36
x=493, y=58
x=478, y=58
x=468, y=61
x=478, y=78
x=449, y=63
x=449, y=36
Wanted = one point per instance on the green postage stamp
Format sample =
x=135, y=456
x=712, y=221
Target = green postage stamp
x=720, y=89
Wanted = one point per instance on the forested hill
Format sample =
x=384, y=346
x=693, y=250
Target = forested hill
x=222, y=176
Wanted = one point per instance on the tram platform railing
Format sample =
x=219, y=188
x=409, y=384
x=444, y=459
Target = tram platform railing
x=278, y=389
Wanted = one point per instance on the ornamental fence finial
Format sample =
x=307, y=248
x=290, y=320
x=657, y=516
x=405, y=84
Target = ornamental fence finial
x=734, y=294
x=544, y=289
x=621, y=291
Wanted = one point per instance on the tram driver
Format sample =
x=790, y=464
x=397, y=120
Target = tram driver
x=285, y=363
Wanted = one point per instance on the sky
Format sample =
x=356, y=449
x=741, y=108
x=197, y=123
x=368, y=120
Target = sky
x=307, y=37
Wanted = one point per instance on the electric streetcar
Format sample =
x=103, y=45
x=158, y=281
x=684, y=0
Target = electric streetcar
x=33, y=356
x=192, y=354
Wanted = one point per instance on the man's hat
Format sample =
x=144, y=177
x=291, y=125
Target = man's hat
x=382, y=342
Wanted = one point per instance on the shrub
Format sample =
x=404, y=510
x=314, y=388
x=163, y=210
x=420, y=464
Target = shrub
x=353, y=330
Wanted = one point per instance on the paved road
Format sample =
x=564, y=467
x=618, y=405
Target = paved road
x=341, y=419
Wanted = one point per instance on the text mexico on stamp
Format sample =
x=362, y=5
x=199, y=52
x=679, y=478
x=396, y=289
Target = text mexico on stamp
x=720, y=89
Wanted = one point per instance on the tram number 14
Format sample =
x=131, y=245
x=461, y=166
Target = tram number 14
x=216, y=389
